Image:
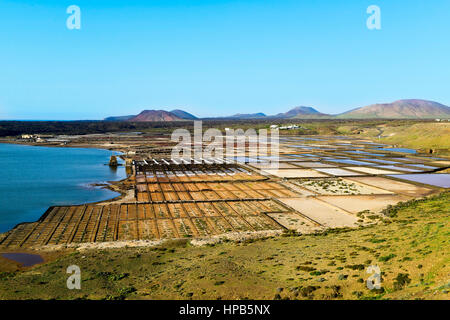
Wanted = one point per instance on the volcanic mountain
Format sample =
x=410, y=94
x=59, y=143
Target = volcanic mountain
x=301, y=112
x=119, y=118
x=183, y=114
x=248, y=115
x=400, y=109
x=155, y=115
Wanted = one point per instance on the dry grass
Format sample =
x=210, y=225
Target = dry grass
x=414, y=242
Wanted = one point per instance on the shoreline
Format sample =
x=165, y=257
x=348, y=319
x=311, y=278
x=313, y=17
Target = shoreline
x=87, y=146
x=119, y=185
x=108, y=186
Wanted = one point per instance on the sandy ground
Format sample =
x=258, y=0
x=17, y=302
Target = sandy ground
x=293, y=221
x=295, y=173
x=325, y=214
x=358, y=203
x=338, y=187
x=394, y=186
x=372, y=170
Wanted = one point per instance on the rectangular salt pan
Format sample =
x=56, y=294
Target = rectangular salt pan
x=337, y=172
x=349, y=161
x=398, y=168
x=434, y=179
x=380, y=161
x=403, y=150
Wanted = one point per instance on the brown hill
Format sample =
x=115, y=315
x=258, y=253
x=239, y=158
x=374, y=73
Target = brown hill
x=409, y=108
x=301, y=112
x=183, y=114
x=155, y=115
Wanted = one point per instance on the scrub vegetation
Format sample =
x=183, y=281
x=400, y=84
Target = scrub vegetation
x=411, y=246
x=421, y=136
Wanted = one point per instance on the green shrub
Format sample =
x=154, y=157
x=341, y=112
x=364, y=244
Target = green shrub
x=387, y=258
x=355, y=266
x=305, y=268
x=401, y=280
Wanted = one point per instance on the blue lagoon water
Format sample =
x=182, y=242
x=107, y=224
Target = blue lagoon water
x=350, y=161
x=25, y=259
x=35, y=178
x=404, y=150
x=435, y=179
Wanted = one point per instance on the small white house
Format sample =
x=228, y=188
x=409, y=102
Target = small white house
x=289, y=127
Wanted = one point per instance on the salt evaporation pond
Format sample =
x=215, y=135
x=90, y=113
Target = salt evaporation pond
x=435, y=179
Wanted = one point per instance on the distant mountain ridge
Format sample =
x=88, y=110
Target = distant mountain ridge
x=248, y=115
x=119, y=118
x=301, y=112
x=183, y=114
x=400, y=109
x=155, y=115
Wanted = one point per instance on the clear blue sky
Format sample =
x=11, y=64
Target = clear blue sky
x=216, y=57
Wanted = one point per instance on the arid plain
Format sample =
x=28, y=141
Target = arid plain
x=350, y=197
